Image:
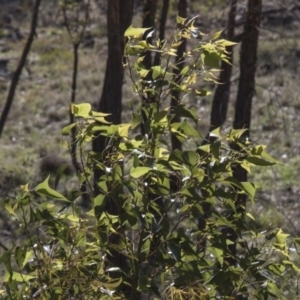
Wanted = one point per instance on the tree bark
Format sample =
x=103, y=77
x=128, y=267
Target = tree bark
x=119, y=15
x=222, y=92
x=150, y=8
x=243, y=105
x=162, y=28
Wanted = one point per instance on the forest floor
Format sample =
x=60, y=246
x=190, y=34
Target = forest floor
x=41, y=104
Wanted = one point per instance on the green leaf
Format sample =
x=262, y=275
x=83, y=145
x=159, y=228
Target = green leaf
x=292, y=265
x=66, y=130
x=185, y=70
x=259, y=161
x=113, y=284
x=202, y=93
x=249, y=188
x=180, y=20
x=6, y=260
x=20, y=277
x=277, y=269
x=274, y=291
x=218, y=253
x=236, y=133
x=81, y=110
x=156, y=71
x=8, y=208
x=139, y=171
x=184, y=112
x=59, y=173
x=123, y=130
x=44, y=189
x=215, y=133
x=211, y=59
x=187, y=129
x=136, y=33
x=217, y=35
x=281, y=237
x=226, y=43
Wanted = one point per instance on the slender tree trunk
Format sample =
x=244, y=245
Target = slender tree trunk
x=17, y=73
x=179, y=62
x=150, y=8
x=246, y=90
x=222, y=92
x=162, y=27
x=220, y=104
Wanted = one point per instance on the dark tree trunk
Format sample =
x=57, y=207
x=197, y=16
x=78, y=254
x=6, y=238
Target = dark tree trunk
x=246, y=90
x=248, y=58
x=162, y=27
x=119, y=15
x=149, y=11
x=222, y=93
x=150, y=8
x=179, y=62
x=163, y=19
x=220, y=103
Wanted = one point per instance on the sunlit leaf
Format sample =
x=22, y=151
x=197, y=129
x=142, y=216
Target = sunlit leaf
x=44, y=189
x=81, y=110
x=139, y=171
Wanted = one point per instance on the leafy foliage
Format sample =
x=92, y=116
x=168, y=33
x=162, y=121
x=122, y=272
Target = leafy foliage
x=160, y=196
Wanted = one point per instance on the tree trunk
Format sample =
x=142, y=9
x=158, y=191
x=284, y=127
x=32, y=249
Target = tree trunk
x=179, y=62
x=246, y=89
x=162, y=27
x=150, y=8
x=119, y=15
x=222, y=93
x=220, y=104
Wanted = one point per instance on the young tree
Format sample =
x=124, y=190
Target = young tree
x=17, y=73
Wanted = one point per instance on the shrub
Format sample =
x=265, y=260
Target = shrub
x=166, y=238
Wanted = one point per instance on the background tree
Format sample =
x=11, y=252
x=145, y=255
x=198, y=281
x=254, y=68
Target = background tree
x=17, y=73
x=149, y=16
x=119, y=14
x=246, y=86
x=243, y=105
x=222, y=92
